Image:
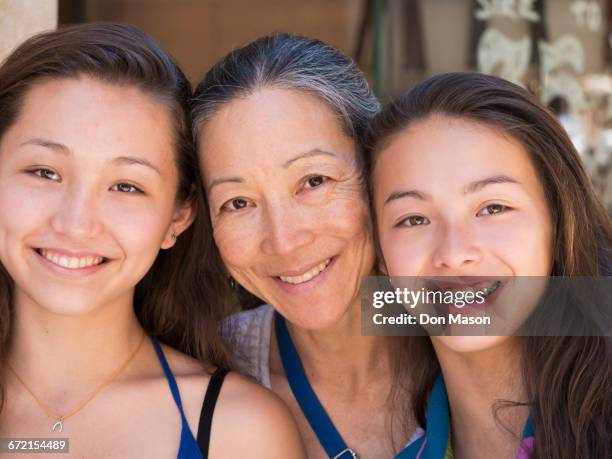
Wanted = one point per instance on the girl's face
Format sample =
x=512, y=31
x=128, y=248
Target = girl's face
x=287, y=203
x=87, y=193
x=457, y=198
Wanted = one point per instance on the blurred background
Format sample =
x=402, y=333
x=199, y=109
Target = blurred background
x=561, y=50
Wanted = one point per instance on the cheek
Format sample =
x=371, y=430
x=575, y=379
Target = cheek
x=238, y=240
x=346, y=214
x=138, y=229
x=524, y=244
x=405, y=251
x=18, y=220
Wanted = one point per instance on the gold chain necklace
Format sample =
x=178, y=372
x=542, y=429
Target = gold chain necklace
x=59, y=419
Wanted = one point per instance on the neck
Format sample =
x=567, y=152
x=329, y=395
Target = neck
x=476, y=382
x=53, y=352
x=340, y=354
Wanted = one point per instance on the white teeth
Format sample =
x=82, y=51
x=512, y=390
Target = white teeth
x=70, y=262
x=485, y=290
x=307, y=275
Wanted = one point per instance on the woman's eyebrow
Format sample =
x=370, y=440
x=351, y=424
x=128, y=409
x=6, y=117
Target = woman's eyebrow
x=219, y=181
x=309, y=154
x=285, y=165
x=495, y=179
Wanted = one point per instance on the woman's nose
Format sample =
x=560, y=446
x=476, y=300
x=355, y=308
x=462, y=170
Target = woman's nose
x=287, y=229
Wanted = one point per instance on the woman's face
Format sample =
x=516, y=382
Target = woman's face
x=287, y=203
x=87, y=193
x=457, y=198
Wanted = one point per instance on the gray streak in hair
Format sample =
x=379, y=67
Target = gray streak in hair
x=292, y=62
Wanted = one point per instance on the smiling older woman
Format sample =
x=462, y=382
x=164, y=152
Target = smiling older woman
x=280, y=124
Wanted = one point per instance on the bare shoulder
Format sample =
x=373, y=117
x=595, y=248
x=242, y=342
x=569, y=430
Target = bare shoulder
x=252, y=421
x=192, y=378
x=249, y=420
x=184, y=365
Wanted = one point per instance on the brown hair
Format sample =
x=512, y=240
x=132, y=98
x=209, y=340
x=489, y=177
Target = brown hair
x=568, y=379
x=173, y=301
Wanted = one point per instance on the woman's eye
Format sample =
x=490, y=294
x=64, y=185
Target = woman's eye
x=46, y=174
x=315, y=181
x=125, y=188
x=492, y=209
x=235, y=204
x=414, y=220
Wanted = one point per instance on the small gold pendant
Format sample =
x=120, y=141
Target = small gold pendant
x=59, y=426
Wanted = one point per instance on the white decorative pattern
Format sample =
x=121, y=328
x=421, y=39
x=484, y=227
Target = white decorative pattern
x=495, y=49
x=556, y=57
x=20, y=19
x=513, y=9
x=587, y=14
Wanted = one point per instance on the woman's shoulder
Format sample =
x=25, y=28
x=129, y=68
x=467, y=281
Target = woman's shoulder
x=248, y=415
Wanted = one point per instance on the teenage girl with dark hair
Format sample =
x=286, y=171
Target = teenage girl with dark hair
x=471, y=176
x=104, y=338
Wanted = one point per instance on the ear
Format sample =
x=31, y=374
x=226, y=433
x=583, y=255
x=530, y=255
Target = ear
x=182, y=218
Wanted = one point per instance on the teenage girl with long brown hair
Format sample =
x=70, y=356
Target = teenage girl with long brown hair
x=471, y=176
x=107, y=332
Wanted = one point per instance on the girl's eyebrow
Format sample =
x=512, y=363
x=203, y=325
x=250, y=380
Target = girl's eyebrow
x=129, y=160
x=63, y=149
x=472, y=187
x=495, y=179
x=55, y=146
x=406, y=194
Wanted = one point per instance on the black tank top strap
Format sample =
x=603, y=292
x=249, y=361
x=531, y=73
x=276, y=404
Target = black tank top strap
x=208, y=408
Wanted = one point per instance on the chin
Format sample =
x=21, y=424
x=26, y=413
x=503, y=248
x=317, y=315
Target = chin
x=313, y=316
x=68, y=309
x=463, y=344
x=65, y=303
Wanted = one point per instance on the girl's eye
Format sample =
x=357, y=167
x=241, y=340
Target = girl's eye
x=414, y=220
x=315, y=181
x=234, y=205
x=125, y=188
x=492, y=209
x=46, y=174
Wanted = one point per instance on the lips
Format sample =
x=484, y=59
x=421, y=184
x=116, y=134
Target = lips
x=72, y=261
x=307, y=275
x=486, y=287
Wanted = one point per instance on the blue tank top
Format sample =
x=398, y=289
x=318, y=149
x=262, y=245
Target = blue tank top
x=188, y=447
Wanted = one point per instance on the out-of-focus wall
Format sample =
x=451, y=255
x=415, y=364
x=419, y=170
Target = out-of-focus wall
x=199, y=32
x=20, y=19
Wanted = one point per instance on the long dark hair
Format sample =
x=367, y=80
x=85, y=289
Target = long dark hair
x=173, y=301
x=568, y=379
